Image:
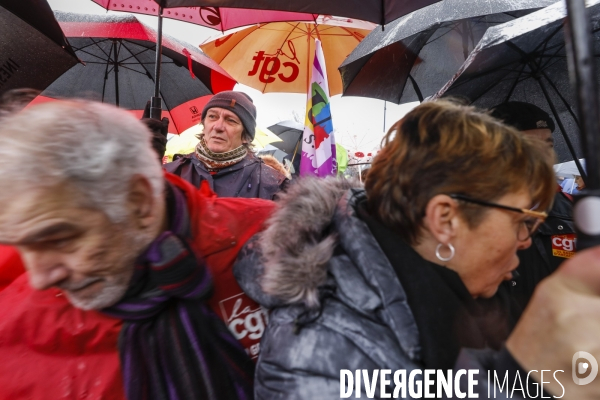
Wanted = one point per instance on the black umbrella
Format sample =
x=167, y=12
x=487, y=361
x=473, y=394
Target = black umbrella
x=33, y=48
x=525, y=60
x=377, y=11
x=119, y=57
x=413, y=56
x=290, y=132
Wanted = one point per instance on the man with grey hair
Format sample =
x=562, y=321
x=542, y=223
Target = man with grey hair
x=117, y=249
x=224, y=157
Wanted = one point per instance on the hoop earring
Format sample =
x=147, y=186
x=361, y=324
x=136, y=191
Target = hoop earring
x=445, y=259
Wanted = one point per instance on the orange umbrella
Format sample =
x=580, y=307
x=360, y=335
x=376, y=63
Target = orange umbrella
x=278, y=56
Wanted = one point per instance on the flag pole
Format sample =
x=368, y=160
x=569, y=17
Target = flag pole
x=580, y=53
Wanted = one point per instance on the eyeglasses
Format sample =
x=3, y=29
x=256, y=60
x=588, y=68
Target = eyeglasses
x=527, y=227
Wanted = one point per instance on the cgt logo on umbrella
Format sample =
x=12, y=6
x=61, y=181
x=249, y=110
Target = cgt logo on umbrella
x=271, y=65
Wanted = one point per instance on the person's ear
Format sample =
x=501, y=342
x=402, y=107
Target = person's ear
x=140, y=201
x=245, y=137
x=442, y=218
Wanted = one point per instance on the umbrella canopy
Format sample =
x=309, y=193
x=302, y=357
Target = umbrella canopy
x=264, y=137
x=271, y=150
x=290, y=133
x=278, y=56
x=34, y=49
x=568, y=169
x=119, y=57
x=376, y=11
x=221, y=18
x=525, y=60
x=415, y=55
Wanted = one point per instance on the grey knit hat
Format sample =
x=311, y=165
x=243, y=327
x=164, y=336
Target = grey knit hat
x=238, y=103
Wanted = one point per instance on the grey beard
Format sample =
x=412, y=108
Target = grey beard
x=116, y=285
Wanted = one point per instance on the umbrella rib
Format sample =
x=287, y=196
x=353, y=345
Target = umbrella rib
x=237, y=44
x=568, y=106
x=166, y=105
x=512, y=89
x=280, y=47
x=100, y=48
x=130, y=63
x=105, y=76
x=541, y=70
x=143, y=66
x=489, y=87
x=549, y=63
x=102, y=60
x=484, y=73
x=316, y=29
x=96, y=44
x=90, y=54
x=132, y=53
x=561, y=127
x=351, y=34
x=547, y=39
x=454, y=23
x=549, y=59
x=131, y=69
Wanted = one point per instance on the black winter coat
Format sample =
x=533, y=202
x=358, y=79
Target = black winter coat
x=543, y=256
x=249, y=178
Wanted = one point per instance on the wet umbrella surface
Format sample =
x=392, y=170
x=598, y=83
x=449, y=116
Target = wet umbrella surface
x=525, y=60
x=33, y=48
x=119, y=57
x=415, y=55
x=377, y=11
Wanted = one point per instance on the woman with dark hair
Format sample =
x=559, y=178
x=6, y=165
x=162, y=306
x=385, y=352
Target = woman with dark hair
x=403, y=273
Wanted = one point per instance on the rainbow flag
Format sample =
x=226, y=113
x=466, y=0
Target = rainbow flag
x=318, y=143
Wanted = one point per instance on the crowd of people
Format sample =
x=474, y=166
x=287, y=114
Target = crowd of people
x=217, y=277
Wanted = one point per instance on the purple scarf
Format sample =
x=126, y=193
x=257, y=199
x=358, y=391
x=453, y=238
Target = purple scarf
x=172, y=345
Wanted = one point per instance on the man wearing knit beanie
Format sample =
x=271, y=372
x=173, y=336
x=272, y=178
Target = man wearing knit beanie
x=224, y=157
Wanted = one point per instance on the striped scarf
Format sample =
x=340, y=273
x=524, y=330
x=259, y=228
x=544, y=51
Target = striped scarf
x=172, y=345
x=216, y=161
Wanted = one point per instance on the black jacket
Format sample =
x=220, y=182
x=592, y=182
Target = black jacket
x=542, y=257
x=249, y=178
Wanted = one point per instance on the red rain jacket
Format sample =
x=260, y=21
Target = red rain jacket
x=52, y=350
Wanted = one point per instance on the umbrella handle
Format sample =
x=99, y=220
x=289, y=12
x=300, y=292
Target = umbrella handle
x=294, y=155
x=156, y=106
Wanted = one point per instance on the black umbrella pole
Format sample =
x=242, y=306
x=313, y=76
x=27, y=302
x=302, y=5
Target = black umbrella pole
x=578, y=39
x=155, y=102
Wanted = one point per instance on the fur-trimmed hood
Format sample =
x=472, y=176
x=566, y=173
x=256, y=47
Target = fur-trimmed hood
x=288, y=260
x=297, y=244
x=315, y=247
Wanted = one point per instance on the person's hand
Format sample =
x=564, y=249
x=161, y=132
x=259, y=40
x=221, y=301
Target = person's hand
x=562, y=319
x=159, y=130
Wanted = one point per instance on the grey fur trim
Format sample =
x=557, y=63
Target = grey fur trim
x=295, y=246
